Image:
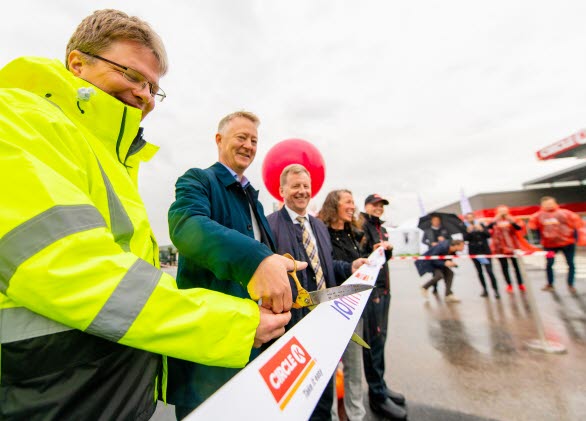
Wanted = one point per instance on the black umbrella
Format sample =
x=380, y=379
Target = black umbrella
x=450, y=222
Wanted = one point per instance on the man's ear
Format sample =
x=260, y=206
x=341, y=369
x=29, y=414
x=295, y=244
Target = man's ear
x=75, y=62
x=281, y=192
x=218, y=139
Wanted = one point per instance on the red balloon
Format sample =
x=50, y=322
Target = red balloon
x=293, y=151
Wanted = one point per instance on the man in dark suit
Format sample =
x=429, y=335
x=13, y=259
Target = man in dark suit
x=306, y=238
x=225, y=244
x=436, y=233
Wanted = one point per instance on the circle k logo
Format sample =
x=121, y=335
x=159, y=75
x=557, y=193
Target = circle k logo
x=285, y=367
x=298, y=353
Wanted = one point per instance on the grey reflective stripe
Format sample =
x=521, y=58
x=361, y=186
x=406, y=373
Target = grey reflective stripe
x=126, y=302
x=19, y=323
x=120, y=223
x=30, y=237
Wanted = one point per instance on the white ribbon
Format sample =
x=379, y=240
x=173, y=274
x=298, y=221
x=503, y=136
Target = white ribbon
x=286, y=381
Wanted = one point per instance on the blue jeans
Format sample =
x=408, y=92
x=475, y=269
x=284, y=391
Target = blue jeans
x=569, y=252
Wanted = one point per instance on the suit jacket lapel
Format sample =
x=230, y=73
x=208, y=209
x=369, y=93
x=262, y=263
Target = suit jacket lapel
x=294, y=230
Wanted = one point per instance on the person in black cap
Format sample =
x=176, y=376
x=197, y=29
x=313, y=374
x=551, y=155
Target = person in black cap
x=383, y=400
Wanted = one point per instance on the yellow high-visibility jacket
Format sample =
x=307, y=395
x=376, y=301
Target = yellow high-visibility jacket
x=84, y=308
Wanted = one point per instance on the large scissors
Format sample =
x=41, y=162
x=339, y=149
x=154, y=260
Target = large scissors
x=312, y=298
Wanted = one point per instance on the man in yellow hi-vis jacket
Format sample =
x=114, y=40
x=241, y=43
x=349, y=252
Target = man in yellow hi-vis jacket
x=84, y=309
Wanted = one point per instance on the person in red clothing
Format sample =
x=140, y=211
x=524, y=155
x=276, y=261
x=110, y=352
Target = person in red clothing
x=557, y=229
x=505, y=233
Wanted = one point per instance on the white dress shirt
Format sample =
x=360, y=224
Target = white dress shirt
x=293, y=215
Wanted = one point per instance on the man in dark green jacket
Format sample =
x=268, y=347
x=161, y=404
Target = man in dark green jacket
x=224, y=244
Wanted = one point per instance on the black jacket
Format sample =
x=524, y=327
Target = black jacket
x=288, y=239
x=346, y=243
x=111, y=381
x=478, y=241
x=431, y=235
x=374, y=233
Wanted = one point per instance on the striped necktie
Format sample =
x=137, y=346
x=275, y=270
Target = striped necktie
x=311, y=251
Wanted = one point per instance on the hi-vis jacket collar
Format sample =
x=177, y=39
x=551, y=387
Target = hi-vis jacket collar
x=110, y=119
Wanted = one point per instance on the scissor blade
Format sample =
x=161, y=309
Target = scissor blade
x=357, y=339
x=328, y=294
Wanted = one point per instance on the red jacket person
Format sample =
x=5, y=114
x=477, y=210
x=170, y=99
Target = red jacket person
x=558, y=232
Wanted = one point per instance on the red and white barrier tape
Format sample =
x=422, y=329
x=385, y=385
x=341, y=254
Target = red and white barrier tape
x=474, y=256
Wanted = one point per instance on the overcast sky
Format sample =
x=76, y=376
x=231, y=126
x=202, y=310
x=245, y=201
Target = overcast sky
x=402, y=98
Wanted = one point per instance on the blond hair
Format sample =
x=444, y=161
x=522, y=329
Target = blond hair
x=292, y=169
x=244, y=114
x=97, y=32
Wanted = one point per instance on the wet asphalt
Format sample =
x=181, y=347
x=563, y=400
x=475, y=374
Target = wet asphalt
x=470, y=361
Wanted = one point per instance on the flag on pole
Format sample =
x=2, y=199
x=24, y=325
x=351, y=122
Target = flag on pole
x=421, y=207
x=465, y=206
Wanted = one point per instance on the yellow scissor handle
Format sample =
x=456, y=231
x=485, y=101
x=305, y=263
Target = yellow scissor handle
x=303, y=299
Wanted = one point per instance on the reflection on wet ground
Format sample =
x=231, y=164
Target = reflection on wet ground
x=468, y=361
x=472, y=357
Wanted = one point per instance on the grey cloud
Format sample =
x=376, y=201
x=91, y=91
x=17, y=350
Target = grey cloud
x=400, y=97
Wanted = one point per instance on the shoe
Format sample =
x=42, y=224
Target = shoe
x=547, y=287
x=388, y=409
x=396, y=397
x=497, y=295
x=424, y=293
x=452, y=299
x=510, y=289
x=522, y=288
x=572, y=290
x=484, y=294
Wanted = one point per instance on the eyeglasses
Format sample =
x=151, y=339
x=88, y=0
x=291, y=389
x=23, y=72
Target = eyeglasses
x=135, y=77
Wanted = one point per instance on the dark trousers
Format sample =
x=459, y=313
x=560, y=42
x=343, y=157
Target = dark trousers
x=439, y=273
x=505, y=267
x=488, y=268
x=569, y=251
x=376, y=317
